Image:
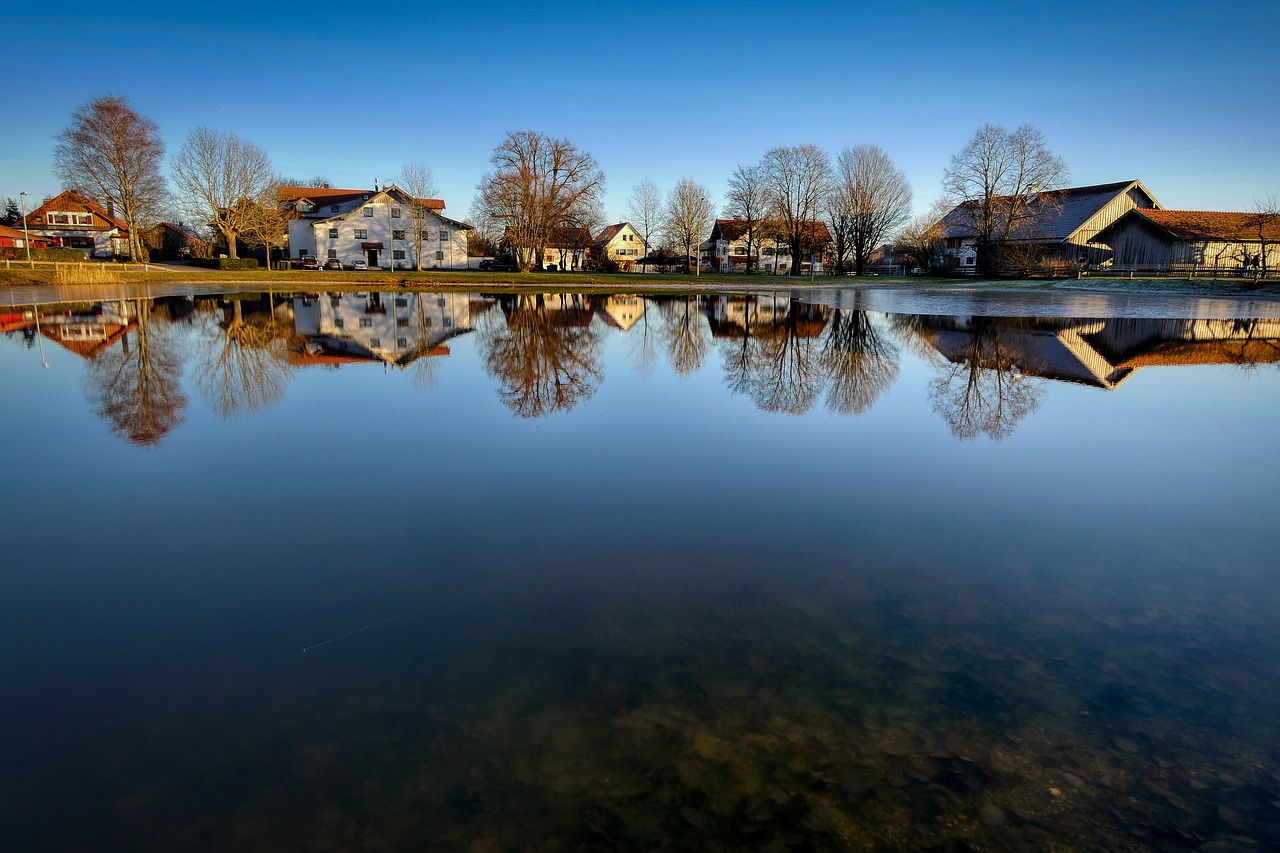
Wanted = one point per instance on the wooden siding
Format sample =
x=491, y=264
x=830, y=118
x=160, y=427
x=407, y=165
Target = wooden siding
x=1078, y=246
x=1138, y=243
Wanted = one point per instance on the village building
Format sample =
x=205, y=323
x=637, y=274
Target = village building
x=620, y=243
x=174, y=241
x=71, y=220
x=1193, y=239
x=393, y=329
x=568, y=248
x=726, y=249
x=379, y=227
x=15, y=238
x=1058, y=227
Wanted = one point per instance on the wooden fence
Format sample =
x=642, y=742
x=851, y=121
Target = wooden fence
x=1188, y=271
x=13, y=263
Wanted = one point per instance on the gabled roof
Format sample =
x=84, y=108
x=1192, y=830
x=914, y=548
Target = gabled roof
x=17, y=234
x=1057, y=214
x=321, y=196
x=1202, y=224
x=71, y=201
x=183, y=229
x=611, y=231
x=732, y=229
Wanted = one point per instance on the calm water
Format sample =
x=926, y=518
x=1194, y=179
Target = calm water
x=839, y=571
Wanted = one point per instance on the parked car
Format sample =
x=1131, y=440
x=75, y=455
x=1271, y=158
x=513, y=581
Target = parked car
x=310, y=264
x=496, y=265
x=358, y=265
x=333, y=264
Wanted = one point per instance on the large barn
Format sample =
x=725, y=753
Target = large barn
x=1193, y=239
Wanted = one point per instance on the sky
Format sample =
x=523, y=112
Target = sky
x=1184, y=96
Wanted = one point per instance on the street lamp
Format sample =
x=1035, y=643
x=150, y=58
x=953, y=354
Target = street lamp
x=26, y=235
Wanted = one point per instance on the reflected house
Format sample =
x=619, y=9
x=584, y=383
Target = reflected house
x=387, y=328
x=1193, y=239
x=1103, y=353
x=90, y=332
x=1060, y=225
x=622, y=311
x=739, y=316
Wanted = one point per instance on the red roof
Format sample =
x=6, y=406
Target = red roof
x=1213, y=224
x=71, y=202
x=331, y=195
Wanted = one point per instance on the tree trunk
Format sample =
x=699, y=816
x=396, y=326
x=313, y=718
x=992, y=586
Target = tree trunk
x=230, y=237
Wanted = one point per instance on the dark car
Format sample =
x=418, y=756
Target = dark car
x=333, y=264
x=496, y=265
x=310, y=264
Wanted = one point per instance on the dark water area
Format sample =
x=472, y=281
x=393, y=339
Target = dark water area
x=837, y=570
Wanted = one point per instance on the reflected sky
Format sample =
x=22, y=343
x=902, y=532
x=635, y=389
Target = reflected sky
x=532, y=522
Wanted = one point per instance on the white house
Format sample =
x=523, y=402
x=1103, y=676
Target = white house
x=380, y=227
x=393, y=328
x=620, y=243
x=726, y=249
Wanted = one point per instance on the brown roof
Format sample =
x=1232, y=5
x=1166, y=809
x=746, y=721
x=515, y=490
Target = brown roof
x=610, y=232
x=330, y=195
x=17, y=234
x=1212, y=224
x=72, y=201
x=1208, y=352
x=1057, y=214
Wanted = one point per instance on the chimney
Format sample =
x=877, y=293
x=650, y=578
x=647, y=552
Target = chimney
x=111, y=208
x=1032, y=191
x=375, y=184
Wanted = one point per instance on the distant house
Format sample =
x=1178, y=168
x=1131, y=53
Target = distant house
x=1060, y=223
x=175, y=240
x=15, y=238
x=620, y=243
x=726, y=249
x=70, y=220
x=566, y=249
x=375, y=226
x=1192, y=239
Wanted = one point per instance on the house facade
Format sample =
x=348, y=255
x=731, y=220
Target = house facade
x=567, y=250
x=15, y=238
x=1193, y=239
x=726, y=249
x=73, y=221
x=620, y=243
x=1058, y=225
x=375, y=226
x=391, y=328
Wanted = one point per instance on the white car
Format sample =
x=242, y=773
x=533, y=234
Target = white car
x=358, y=265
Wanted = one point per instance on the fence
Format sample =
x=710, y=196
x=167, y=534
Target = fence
x=11, y=263
x=1187, y=271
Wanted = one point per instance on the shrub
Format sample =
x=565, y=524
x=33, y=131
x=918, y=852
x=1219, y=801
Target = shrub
x=226, y=263
x=61, y=255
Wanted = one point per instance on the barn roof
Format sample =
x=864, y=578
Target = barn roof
x=1057, y=213
x=1208, y=224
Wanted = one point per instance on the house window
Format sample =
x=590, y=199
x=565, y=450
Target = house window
x=333, y=253
x=448, y=322
x=395, y=213
x=333, y=208
x=368, y=211
x=402, y=343
x=366, y=322
x=398, y=254
x=402, y=302
x=440, y=301
x=333, y=233
x=444, y=236
x=397, y=235
x=59, y=219
x=338, y=323
x=375, y=342
x=426, y=322
x=439, y=256
x=82, y=219
x=362, y=233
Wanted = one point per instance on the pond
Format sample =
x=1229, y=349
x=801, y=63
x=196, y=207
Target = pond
x=822, y=570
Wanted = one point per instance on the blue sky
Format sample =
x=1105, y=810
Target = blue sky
x=1181, y=95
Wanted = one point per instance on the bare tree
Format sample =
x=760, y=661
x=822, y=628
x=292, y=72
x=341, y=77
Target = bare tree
x=244, y=368
x=137, y=387
x=797, y=178
x=111, y=153
x=980, y=390
x=266, y=224
x=645, y=212
x=417, y=180
x=688, y=216
x=922, y=239
x=993, y=182
x=878, y=198
x=1266, y=221
x=748, y=202
x=226, y=179
x=684, y=334
x=860, y=361
x=538, y=185
x=838, y=205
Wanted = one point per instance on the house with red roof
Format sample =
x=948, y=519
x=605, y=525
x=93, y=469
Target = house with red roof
x=71, y=220
x=385, y=228
x=620, y=243
x=726, y=249
x=1194, y=239
x=15, y=238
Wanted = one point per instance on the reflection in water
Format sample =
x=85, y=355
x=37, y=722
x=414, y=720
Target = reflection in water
x=544, y=353
x=860, y=360
x=244, y=366
x=135, y=386
x=683, y=334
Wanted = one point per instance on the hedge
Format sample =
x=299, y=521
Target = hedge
x=62, y=255
x=226, y=263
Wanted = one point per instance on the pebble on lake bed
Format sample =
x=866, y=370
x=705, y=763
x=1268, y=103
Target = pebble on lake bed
x=991, y=815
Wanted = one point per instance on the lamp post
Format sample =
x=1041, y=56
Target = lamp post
x=26, y=235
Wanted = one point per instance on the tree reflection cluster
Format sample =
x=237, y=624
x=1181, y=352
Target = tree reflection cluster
x=546, y=351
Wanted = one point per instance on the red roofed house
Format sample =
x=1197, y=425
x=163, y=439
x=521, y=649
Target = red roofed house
x=14, y=238
x=621, y=244
x=374, y=226
x=1194, y=239
x=726, y=248
x=74, y=221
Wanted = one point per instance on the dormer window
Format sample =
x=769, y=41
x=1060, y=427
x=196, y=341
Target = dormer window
x=333, y=208
x=306, y=207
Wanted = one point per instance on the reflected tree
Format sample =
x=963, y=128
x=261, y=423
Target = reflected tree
x=684, y=335
x=545, y=356
x=777, y=362
x=244, y=364
x=135, y=387
x=860, y=363
x=982, y=392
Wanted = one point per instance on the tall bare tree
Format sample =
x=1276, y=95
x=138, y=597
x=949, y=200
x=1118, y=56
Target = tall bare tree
x=688, y=216
x=224, y=179
x=112, y=154
x=797, y=178
x=1266, y=222
x=748, y=202
x=993, y=182
x=878, y=197
x=417, y=180
x=646, y=214
x=538, y=185
x=137, y=386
